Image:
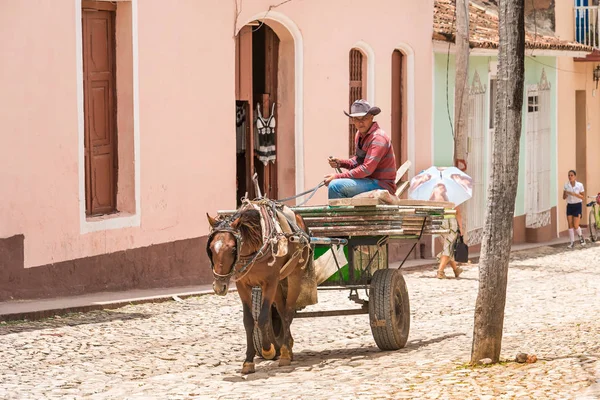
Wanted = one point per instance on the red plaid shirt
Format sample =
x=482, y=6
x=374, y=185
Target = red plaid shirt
x=379, y=162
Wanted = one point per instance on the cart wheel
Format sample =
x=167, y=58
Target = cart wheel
x=592, y=225
x=389, y=309
x=275, y=328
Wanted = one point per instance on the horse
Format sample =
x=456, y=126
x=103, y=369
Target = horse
x=237, y=249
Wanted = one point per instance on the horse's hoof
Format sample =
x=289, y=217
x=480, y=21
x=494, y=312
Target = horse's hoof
x=284, y=362
x=269, y=354
x=248, y=368
x=286, y=356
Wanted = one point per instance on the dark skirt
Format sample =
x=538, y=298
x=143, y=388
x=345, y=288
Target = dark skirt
x=574, y=210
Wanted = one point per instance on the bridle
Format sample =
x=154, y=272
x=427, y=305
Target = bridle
x=225, y=227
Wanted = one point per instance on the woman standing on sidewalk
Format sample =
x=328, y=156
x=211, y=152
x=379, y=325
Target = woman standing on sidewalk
x=573, y=192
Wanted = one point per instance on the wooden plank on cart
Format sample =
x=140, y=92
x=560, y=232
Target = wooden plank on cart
x=402, y=185
x=359, y=202
x=402, y=188
x=425, y=203
x=402, y=170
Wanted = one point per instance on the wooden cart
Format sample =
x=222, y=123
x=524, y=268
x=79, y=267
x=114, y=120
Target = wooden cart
x=365, y=231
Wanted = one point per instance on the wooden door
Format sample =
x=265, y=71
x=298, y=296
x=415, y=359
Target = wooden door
x=581, y=145
x=99, y=108
x=397, y=106
x=355, y=90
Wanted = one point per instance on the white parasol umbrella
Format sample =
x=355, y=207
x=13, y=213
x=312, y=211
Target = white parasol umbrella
x=441, y=184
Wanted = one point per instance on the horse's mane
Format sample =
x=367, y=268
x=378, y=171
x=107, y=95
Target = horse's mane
x=250, y=228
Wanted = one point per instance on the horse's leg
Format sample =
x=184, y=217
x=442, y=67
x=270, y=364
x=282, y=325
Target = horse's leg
x=245, y=293
x=294, y=285
x=264, y=319
x=284, y=357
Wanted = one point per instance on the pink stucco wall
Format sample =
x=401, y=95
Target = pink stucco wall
x=574, y=76
x=186, y=107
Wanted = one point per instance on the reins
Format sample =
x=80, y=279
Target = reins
x=313, y=190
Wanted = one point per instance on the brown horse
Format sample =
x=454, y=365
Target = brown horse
x=236, y=250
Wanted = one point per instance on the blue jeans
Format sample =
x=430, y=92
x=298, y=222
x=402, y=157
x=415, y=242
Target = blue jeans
x=344, y=188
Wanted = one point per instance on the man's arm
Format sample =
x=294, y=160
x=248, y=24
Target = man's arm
x=349, y=163
x=375, y=153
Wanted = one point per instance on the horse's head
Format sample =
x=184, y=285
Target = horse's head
x=223, y=248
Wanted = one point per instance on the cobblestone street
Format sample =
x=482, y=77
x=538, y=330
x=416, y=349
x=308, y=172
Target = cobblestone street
x=195, y=348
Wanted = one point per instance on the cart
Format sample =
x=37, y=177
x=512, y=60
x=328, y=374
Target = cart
x=365, y=230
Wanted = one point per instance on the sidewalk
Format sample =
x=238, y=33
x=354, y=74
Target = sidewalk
x=419, y=264
x=44, y=308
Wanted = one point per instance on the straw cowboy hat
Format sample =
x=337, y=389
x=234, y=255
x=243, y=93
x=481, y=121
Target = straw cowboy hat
x=361, y=107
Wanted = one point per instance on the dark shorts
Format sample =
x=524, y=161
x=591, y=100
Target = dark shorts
x=574, y=210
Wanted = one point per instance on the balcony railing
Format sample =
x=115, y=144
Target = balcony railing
x=586, y=25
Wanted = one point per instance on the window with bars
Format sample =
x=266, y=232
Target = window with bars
x=476, y=158
x=356, y=88
x=538, y=154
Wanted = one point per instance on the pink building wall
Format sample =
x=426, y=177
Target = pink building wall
x=183, y=73
x=574, y=76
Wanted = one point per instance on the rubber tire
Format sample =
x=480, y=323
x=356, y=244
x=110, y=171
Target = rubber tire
x=389, y=309
x=592, y=226
x=275, y=328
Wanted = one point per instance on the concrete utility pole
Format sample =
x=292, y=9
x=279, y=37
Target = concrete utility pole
x=461, y=91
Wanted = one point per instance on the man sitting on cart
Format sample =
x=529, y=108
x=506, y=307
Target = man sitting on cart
x=374, y=164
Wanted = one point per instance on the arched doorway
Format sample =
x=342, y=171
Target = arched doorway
x=265, y=110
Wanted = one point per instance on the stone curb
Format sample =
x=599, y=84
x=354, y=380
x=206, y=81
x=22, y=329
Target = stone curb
x=97, y=306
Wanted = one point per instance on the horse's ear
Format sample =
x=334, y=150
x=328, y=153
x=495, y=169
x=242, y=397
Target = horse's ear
x=211, y=221
x=236, y=222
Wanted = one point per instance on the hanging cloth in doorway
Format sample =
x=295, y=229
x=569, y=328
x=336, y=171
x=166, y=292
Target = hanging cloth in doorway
x=265, y=136
x=240, y=126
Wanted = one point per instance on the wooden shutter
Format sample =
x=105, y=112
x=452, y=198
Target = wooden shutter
x=397, y=105
x=356, y=89
x=99, y=109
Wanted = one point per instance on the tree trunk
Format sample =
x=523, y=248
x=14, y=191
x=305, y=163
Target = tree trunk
x=461, y=90
x=497, y=238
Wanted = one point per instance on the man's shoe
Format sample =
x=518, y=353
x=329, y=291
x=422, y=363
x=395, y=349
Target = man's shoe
x=571, y=245
x=582, y=240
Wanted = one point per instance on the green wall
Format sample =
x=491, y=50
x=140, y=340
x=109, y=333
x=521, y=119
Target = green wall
x=444, y=100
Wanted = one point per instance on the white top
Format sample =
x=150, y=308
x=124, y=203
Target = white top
x=578, y=188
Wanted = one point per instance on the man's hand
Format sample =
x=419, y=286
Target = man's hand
x=334, y=162
x=329, y=178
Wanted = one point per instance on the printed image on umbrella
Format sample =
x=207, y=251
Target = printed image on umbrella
x=441, y=184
